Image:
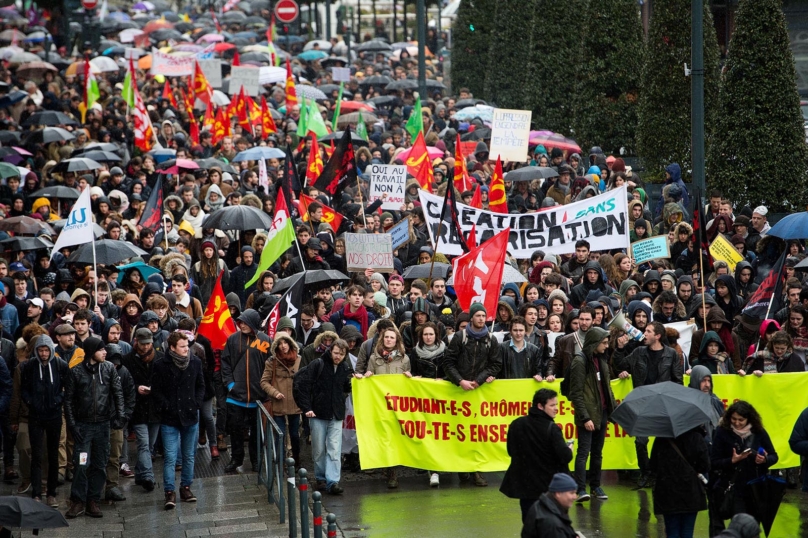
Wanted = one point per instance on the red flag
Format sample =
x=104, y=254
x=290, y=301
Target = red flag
x=461, y=173
x=193, y=131
x=144, y=133
x=291, y=95
x=267, y=123
x=216, y=22
x=236, y=60
x=202, y=89
x=153, y=212
x=471, y=240
x=477, y=199
x=340, y=170
x=314, y=166
x=168, y=94
x=478, y=274
x=238, y=109
x=329, y=215
x=418, y=155
x=425, y=176
x=221, y=127
x=210, y=117
x=216, y=324
x=496, y=193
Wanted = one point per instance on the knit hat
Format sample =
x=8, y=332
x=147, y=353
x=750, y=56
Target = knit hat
x=396, y=278
x=206, y=244
x=477, y=307
x=91, y=345
x=447, y=317
x=285, y=323
x=619, y=165
x=741, y=220
x=562, y=482
x=640, y=223
x=385, y=215
x=380, y=298
x=737, y=239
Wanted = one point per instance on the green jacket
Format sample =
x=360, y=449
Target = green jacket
x=584, y=393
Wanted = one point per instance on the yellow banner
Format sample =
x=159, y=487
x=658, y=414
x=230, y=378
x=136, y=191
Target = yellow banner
x=435, y=425
x=721, y=249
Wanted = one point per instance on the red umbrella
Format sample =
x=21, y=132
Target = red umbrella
x=432, y=151
x=221, y=47
x=557, y=141
x=353, y=106
x=158, y=24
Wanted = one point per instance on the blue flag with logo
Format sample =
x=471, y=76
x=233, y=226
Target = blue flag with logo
x=79, y=225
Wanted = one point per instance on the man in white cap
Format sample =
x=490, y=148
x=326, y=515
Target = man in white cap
x=549, y=517
x=759, y=227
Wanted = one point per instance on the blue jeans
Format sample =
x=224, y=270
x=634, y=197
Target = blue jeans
x=680, y=525
x=174, y=440
x=89, y=478
x=145, y=436
x=326, y=449
x=294, y=433
x=590, y=445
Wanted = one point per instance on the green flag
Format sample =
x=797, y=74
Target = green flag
x=314, y=120
x=415, y=123
x=337, y=106
x=302, y=127
x=279, y=238
x=361, y=128
x=128, y=90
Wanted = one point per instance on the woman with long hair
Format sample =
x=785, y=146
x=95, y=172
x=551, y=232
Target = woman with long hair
x=133, y=281
x=264, y=285
x=206, y=271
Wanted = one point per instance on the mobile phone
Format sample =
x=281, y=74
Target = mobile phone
x=747, y=450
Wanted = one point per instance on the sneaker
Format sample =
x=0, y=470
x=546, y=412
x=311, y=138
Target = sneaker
x=171, y=500
x=93, y=510
x=148, y=485
x=598, y=493
x=479, y=481
x=76, y=509
x=644, y=481
x=335, y=489
x=114, y=494
x=52, y=502
x=582, y=496
x=126, y=471
x=434, y=480
x=187, y=495
x=23, y=488
x=232, y=467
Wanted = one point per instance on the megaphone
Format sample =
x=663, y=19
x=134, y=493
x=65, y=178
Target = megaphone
x=633, y=332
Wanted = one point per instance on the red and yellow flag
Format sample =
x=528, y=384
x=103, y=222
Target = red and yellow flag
x=221, y=126
x=202, y=89
x=193, y=131
x=461, y=172
x=267, y=123
x=314, y=167
x=169, y=94
x=477, y=199
x=425, y=175
x=238, y=110
x=210, y=117
x=291, y=94
x=418, y=155
x=216, y=324
x=329, y=215
x=497, y=200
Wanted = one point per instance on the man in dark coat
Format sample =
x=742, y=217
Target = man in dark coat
x=537, y=450
x=548, y=518
x=799, y=444
x=592, y=280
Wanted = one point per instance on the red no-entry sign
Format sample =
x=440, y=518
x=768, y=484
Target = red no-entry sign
x=285, y=10
x=89, y=4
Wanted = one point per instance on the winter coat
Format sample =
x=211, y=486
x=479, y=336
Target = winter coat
x=716, y=315
x=790, y=362
x=243, y=361
x=129, y=394
x=141, y=372
x=309, y=353
x=522, y=364
x=239, y=277
x=471, y=359
x=430, y=368
x=636, y=364
x=546, y=519
x=679, y=312
x=584, y=389
x=178, y=394
x=538, y=451
x=279, y=379
x=321, y=387
x=745, y=470
x=42, y=387
x=396, y=363
x=93, y=394
x=733, y=307
x=799, y=435
x=745, y=290
x=678, y=489
x=579, y=292
x=565, y=347
x=712, y=363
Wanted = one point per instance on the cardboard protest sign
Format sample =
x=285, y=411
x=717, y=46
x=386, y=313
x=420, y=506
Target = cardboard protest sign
x=400, y=233
x=388, y=179
x=213, y=71
x=369, y=251
x=721, y=249
x=341, y=74
x=246, y=77
x=510, y=132
x=171, y=66
x=650, y=249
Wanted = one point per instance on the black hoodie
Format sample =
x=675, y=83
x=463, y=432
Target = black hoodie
x=745, y=290
x=579, y=292
x=243, y=361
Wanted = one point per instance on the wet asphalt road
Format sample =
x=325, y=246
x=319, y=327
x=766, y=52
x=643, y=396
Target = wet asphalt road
x=369, y=509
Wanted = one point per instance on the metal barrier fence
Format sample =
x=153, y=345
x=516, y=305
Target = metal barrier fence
x=270, y=463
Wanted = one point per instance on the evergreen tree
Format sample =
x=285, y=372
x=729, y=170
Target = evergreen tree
x=663, y=131
x=471, y=41
x=607, y=78
x=554, y=53
x=761, y=155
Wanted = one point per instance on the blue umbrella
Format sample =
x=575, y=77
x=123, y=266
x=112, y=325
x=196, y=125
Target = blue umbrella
x=12, y=98
x=311, y=55
x=259, y=153
x=794, y=226
x=145, y=270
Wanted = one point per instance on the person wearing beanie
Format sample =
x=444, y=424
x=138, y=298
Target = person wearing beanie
x=741, y=526
x=312, y=259
x=93, y=400
x=548, y=517
x=640, y=230
x=473, y=358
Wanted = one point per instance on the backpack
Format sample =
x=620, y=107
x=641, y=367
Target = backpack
x=318, y=370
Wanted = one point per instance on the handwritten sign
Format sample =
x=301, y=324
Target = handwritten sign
x=369, y=251
x=400, y=233
x=388, y=179
x=650, y=249
x=213, y=71
x=721, y=249
x=171, y=66
x=341, y=74
x=510, y=131
x=246, y=77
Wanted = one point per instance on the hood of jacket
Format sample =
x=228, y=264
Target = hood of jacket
x=282, y=336
x=651, y=276
x=252, y=319
x=711, y=336
x=593, y=265
x=764, y=326
x=557, y=294
x=420, y=305
x=508, y=303
x=729, y=282
x=233, y=300
x=349, y=332
x=716, y=315
x=180, y=203
x=698, y=373
x=740, y=267
x=683, y=226
x=78, y=292
x=132, y=298
x=43, y=340
x=671, y=209
x=219, y=202
x=624, y=287
x=593, y=337
x=323, y=335
x=635, y=305
x=680, y=310
x=675, y=171
x=684, y=279
x=697, y=299
x=631, y=205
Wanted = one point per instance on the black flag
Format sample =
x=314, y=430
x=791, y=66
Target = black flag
x=339, y=171
x=154, y=207
x=449, y=217
x=289, y=306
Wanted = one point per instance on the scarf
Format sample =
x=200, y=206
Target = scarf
x=482, y=333
x=149, y=356
x=726, y=338
x=430, y=352
x=744, y=432
x=289, y=358
x=563, y=188
x=360, y=316
x=389, y=356
x=180, y=361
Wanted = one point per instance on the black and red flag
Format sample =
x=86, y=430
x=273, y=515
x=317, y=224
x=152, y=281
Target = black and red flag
x=289, y=182
x=769, y=296
x=340, y=170
x=449, y=220
x=153, y=211
x=700, y=240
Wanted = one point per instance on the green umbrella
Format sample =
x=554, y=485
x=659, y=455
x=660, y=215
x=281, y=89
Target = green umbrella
x=8, y=170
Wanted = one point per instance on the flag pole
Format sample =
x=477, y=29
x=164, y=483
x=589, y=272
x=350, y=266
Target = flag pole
x=95, y=280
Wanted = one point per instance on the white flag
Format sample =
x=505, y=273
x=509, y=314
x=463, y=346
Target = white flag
x=79, y=226
x=263, y=179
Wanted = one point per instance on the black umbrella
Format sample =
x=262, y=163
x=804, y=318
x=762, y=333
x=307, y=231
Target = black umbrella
x=98, y=231
x=18, y=244
x=767, y=493
x=50, y=118
x=356, y=140
x=76, y=164
x=374, y=46
x=402, y=84
x=333, y=60
x=164, y=34
x=376, y=80
x=26, y=513
x=10, y=137
x=433, y=84
x=101, y=156
x=480, y=133
x=328, y=88
x=58, y=191
x=664, y=410
x=12, y=98
x=210, y=162
x=464, y=103
x=316, y=279
x=25, y=225
x=48, y=135
x=529, y=173
x=102, y=146
x=383, y=100
x=426, y=270
x=107, y=252
x=239, y=217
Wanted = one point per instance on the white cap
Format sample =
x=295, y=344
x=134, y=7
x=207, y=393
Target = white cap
x=761, y=210
x=36, y=301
